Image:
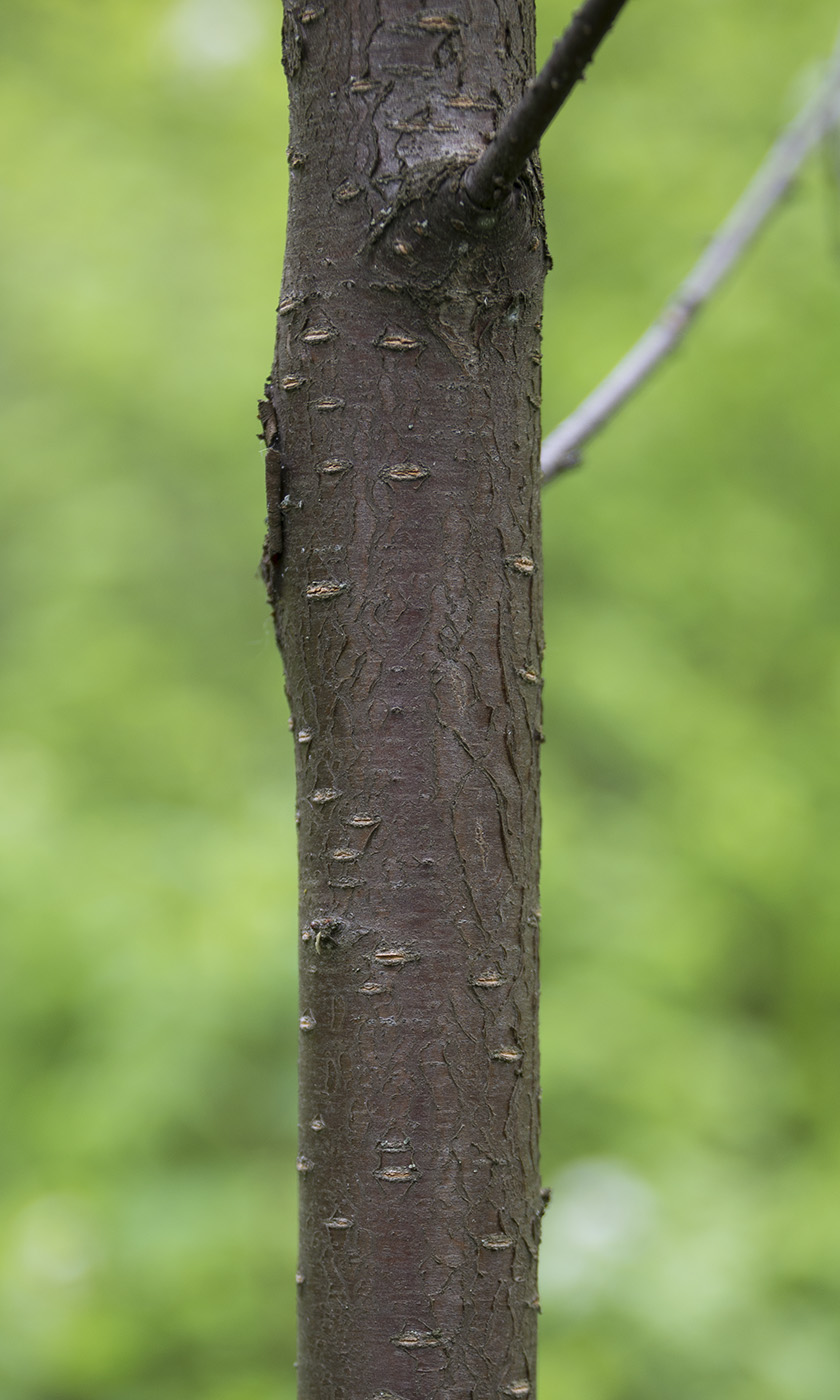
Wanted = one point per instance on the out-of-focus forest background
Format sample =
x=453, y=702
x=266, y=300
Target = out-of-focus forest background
x=691, y=1014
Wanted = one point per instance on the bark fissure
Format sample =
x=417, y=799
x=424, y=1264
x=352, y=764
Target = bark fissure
x=403, y=567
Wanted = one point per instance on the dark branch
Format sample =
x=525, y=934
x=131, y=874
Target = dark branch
x=491, y=179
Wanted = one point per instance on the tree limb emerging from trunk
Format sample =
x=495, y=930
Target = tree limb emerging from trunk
x=403, y=567
x=561, y=449
x=491, y=179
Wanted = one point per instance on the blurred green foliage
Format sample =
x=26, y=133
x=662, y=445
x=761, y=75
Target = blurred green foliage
x=691, y=964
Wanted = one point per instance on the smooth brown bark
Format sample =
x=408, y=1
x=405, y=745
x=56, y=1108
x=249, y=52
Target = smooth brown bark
x=404, y=569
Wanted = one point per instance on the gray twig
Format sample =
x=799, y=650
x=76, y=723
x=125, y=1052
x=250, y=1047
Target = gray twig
x=561, y=449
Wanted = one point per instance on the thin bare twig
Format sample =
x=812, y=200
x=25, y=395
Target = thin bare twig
x=561, y=449
x=491, y=179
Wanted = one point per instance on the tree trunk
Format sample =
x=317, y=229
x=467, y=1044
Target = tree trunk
x=403, y=567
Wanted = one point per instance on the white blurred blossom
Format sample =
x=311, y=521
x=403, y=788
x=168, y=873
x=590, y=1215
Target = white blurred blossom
x=214, y=34
x=601, y=1215
x=55, y=1241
